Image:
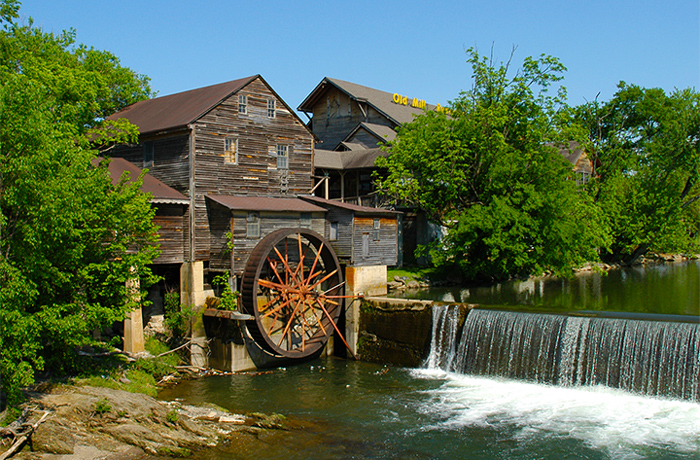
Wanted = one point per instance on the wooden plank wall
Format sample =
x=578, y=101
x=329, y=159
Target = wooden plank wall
x=256, y=173
x=382, y=252
x=336, y=115
x=269, y=222
x=343, y=246
x=170, y=159
x=172, y=223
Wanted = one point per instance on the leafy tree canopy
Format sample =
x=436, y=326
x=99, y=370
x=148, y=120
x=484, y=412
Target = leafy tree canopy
x=646, y=144
x=69, y=238
x=490, y=172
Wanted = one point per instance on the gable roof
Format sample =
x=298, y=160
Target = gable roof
x=179, y=109
x=383, y=133
x=381, y=101
x=160, y=193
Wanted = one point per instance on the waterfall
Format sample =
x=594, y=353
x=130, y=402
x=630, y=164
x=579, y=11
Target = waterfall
x=648, y=357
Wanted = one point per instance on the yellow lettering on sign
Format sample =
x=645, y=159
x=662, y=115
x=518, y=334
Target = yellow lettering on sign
x=418, y=103
x=399, y=99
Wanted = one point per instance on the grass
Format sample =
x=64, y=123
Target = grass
x=139, y=376
x=411, y=273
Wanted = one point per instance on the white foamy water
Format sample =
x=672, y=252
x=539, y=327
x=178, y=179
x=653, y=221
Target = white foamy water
x=624, y=425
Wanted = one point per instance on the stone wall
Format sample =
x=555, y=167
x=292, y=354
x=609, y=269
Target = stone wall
x=395, y=331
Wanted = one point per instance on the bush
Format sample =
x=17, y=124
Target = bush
x=177, y=317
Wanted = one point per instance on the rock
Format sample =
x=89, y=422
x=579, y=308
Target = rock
x=134, y=424
x=54, y=438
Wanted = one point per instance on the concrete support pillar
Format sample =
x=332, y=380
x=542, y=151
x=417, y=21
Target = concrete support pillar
x=133, y=323
x=366, y=281
x=192, y=293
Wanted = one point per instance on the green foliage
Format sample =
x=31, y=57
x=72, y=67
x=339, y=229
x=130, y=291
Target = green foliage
x=646, y=145
x=490, y=173
x=177, y=317
x=69, y=238
x=173, y=416
x=102, y=406
x=228, y=299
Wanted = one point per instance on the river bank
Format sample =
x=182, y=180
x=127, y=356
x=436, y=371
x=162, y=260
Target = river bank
x=80, y=423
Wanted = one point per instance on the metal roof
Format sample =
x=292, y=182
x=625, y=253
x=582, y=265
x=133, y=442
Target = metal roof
x=351, y=159
x=180, y=109
x=259, y=203
x=350, y=207
x=382, y=101
x=160, y=192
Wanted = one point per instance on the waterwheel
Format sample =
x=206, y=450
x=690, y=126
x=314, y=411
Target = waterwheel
x=293, y=286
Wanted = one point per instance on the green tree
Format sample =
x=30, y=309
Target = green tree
x=489, y=172
x=646, y=146
x=69, y=238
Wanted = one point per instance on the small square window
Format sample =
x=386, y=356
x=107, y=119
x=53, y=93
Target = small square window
x=282, y=157
x=253, y=225
x=231, y=150
x=271, y=108
x=242, y=104
x=148, y=154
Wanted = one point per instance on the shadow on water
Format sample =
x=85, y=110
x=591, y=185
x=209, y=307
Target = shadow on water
x=672, y=288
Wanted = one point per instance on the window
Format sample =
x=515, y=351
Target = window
x=365, y=245
x=582, y=177
x=231, y=150
x=242, y=104
x=148, y=154
x=333, y=235
x=305, y=220
x=271, y=108
x=376, y=227
x=282, y=157
x=253, y=224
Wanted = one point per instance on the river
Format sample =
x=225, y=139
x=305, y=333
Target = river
x=352, y=410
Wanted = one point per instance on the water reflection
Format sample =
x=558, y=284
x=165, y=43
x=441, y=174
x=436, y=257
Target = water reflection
x=672, y=288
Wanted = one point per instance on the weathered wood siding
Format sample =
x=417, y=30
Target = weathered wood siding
x=242, y=245
x=380, y=252
x=336, y=115
x=170, y=159
x=172, y=222
x=256, y=173
x=343, y=245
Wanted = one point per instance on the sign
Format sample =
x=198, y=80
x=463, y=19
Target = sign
x=417, y=103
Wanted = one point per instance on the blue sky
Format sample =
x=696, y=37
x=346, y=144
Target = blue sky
x=414, y=48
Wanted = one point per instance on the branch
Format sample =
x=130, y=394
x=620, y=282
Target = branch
x=19, y=442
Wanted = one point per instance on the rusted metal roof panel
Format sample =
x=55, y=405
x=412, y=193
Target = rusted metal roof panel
x=180, y=109
x=350, y=207
x=160, y=192
x=351, y=159
x=258, y=203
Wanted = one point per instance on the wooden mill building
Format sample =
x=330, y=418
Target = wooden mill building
x=241, y=158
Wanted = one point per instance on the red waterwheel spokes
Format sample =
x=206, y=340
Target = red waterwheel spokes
x=293, y=287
